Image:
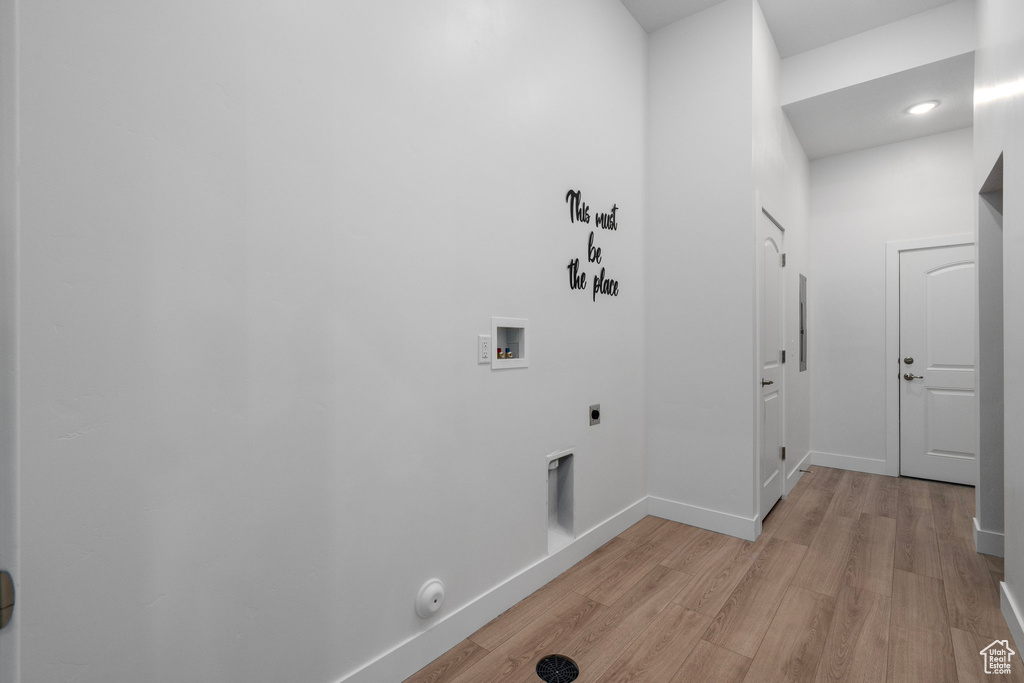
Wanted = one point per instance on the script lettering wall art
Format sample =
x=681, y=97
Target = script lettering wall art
x=579, y=212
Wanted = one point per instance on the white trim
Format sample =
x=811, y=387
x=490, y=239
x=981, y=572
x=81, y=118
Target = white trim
x=854, y=463
x=772, y=218
x=1012, y=614
x=795, y=474
x=559, y=454
x=989, y=391
x=987, y=542
x=760, y=210
x=410, y=656
x=712, y=520
x=678, y=514
x=892, y=339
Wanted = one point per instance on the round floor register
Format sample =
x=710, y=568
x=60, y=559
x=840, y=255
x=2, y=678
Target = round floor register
x=557, y=669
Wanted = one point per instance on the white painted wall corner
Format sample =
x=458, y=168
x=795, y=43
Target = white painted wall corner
x=987, y=542
x=794, y=474
x=1011, y=612
x=712, y=520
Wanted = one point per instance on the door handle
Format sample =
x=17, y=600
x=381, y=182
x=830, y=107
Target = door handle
x=765, y=382
x=908, y=376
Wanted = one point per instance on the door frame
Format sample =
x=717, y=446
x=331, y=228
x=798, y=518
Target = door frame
x=989, y=517
x=758, y=361
x=892, y=338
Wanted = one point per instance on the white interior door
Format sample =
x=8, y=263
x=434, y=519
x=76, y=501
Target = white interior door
x=771, y=345
x=938, y=422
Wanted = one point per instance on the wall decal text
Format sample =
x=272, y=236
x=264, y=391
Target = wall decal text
x=579, y=212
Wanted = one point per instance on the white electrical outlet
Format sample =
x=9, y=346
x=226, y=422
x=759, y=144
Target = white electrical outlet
x=483, y=348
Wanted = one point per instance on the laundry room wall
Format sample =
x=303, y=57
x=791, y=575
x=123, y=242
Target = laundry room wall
x=8, y=315
x=256, y=246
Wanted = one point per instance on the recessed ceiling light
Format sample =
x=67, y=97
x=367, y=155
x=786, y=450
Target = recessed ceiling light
x=923, y=108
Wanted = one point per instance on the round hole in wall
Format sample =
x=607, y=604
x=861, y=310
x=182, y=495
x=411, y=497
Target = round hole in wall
x=557, y=669
x=429, y=599
x=595, y=414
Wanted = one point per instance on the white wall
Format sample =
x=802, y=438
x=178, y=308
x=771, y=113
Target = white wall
x=257, y=245
x=859, y=202
x=781, y=179
x=719, y=149
x=700, y=265
x=8, y=352
x=999, y=128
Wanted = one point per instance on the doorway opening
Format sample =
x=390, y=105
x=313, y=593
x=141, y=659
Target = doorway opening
x=939, y=377
x=988, y=520
x=938, y=383
x=770, y=293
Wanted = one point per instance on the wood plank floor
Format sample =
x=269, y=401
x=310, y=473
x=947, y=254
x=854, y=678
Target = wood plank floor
x=855, y=577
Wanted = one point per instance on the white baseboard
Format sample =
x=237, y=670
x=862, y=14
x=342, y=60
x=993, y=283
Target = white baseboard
x=795, y=474
x=988, y=542
x=1012, y=614
x=410, y=656
x=848, y=462
x=713, y=520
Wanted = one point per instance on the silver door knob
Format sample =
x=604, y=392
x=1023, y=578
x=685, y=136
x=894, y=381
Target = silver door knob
x=909, y=360
x=766, y=382
x=907, y=376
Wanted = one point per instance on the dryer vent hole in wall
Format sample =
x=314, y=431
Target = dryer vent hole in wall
x=557, y=669
x=561, y=528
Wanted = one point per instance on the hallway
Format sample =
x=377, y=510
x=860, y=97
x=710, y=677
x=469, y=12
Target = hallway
x=855, y=577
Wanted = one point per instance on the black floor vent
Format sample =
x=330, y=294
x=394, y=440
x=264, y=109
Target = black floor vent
x=557, y=669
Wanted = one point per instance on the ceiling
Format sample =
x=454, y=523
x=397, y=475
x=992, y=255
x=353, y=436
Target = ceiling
x=859, y=116
x=796, y=25
x=874, y=113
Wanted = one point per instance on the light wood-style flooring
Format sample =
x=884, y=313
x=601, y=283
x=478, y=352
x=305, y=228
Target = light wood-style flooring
x=856, y=577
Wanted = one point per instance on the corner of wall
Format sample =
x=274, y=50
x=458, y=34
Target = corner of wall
x=999, y=129
x=699, y=239
x=782, y=180
x=1012, y=613
x=986, y=541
